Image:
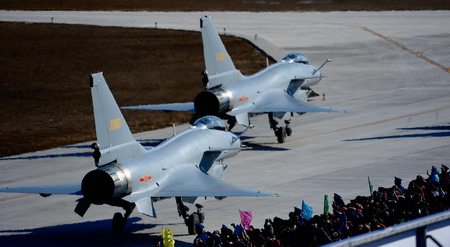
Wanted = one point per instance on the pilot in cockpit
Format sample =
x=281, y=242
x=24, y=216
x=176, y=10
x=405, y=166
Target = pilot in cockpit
x=296, y=57
x=209, y=122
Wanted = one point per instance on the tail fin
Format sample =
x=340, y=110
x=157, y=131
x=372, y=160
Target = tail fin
x=113, y=135
x=218, y=62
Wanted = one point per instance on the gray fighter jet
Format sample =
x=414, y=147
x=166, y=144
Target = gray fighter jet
x=185, y=166
x=281, y=88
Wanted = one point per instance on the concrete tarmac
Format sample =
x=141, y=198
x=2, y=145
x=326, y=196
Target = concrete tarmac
x=389, y=71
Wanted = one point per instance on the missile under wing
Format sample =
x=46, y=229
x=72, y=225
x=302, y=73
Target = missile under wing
x=185, y=166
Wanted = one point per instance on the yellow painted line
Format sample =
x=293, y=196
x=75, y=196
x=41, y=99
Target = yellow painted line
x=417, y=54
x=14, y=197
x=432, y=48
x=366, y=124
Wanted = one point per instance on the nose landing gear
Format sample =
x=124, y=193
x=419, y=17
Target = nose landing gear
x=190, y=219
x=280, y=132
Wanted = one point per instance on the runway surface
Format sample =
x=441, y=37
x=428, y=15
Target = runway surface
x=389, y=71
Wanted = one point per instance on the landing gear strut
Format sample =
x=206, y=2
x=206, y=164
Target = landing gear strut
x=288, y=128
x=119, y=220
x=182, y=209
x=280, y=132
x=192, y=219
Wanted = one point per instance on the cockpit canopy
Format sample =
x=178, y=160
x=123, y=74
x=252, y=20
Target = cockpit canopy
x=209, y=122
x=296, y=57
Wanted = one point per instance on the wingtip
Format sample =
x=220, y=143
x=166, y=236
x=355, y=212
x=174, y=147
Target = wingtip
x=268, y=194
x=335, y=110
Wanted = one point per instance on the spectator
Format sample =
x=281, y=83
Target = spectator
x=202, y=237
x=434, y=177
x=389, y=206
x=398, y=185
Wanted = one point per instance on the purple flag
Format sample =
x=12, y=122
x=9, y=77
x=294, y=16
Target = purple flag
x=246, y=219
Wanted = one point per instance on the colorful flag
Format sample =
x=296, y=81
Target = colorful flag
x=167, y=236
x=370, y=187
x=246, y=219
x=326, y=205
x=307, y=211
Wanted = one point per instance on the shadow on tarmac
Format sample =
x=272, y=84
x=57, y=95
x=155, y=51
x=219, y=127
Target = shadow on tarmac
x=428, y=128
x=259, y=146
x=94, y=233
x=50, y=156
x=422, y=135
x=262, y=147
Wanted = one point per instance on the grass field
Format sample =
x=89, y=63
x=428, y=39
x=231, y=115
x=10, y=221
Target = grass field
x=228, y=5
x=45, y=99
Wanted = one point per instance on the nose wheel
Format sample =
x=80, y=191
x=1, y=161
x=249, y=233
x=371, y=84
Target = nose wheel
x=195, y=218
x=280, y=132
x=288, y=128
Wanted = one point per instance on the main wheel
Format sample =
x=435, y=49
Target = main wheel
x=281, y=134
x=118, y=223
x=193, y=219
x=288, y=131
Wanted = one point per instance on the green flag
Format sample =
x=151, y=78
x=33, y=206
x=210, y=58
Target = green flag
x=370, y=187
x=326, y=206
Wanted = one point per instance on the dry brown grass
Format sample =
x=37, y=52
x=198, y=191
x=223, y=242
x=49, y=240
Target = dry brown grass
x=45, y=99
x=44, y=74
x=228, y=5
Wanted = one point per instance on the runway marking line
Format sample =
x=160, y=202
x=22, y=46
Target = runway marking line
x=14, y=197
x=367, y=124
x=409, y=50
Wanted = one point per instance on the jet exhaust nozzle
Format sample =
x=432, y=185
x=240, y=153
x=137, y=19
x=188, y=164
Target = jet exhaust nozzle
x=106, y=183
x=213, y=102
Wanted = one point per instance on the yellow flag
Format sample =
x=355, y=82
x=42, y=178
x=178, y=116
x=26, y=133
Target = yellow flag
x=167, y=236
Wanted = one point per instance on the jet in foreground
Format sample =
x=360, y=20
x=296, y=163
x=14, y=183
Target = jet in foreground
x=281, y=88
x=185, y=166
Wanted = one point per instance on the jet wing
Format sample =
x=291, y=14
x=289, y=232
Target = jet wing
x=62, y=189
x=194, y=183
x=189, y=106
x=282, y=102
x=197, y=183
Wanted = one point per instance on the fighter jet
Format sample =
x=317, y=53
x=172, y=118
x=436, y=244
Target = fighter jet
x=185, y=166
x=281, y=88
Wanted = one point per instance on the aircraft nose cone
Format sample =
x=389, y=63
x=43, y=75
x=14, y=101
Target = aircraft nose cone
x=98, y=187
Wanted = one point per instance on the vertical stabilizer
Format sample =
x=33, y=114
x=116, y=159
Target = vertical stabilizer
x=218, y=62
x=113, y=135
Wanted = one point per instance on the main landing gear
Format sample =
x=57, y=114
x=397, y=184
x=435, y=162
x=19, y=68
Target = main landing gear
x=119, y=220
x=280, y=131
x=190, y=219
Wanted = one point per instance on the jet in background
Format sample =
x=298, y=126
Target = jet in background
x=281, y=88
x=185, y=166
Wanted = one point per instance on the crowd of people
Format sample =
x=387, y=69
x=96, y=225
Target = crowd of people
x=385, y=207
